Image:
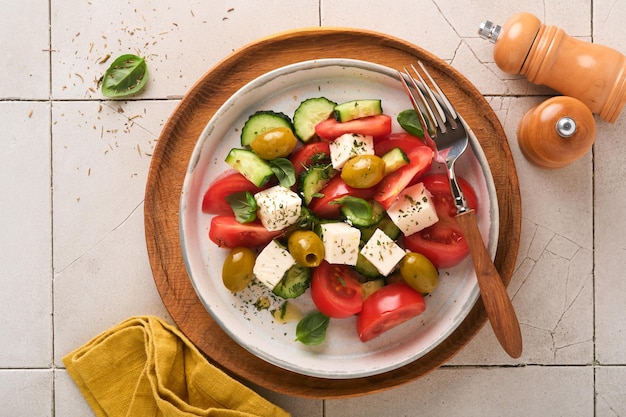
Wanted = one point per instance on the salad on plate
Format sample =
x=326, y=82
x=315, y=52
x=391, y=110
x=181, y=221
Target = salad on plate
x=331, y=205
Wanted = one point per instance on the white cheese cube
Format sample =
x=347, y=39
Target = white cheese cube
x=272, y=263
x=341, y=243
x=349, y=145
x=382, y=252
x=278, y=207
x=413, y=210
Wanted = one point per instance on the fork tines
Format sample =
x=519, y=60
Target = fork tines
x=438, y=117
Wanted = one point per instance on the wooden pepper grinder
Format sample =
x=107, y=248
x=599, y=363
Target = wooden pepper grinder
x=556, y=132
x=592, y=73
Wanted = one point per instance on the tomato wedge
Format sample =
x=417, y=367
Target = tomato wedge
x=336, y=188
x=376, y=126
x=420, y=160
x=402, y=140
x=443, y=243
x=214, y=201
x=336, y=291
x=309, y=154
x=226, y=232
x=387, y=308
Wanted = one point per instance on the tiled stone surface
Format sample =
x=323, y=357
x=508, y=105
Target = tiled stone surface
x=73, y=167
x=526, y=391
x=25, y=35
x=27, y=392
x=26, y=255
x=179, y=43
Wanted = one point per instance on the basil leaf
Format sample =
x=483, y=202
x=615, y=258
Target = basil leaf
x=311, y=330
x=284, y=171
x=409, y=121
x=244, y=206
x=359, y=207
x=127, y=75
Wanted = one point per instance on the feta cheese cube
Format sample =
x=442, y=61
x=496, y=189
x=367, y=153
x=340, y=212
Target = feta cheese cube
x=349, y=145
x=272, y=263
x=278, y=207
x=413, y=210
x=341, y=243
x=382, y=252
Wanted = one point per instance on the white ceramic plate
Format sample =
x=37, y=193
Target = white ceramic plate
x=342, y=355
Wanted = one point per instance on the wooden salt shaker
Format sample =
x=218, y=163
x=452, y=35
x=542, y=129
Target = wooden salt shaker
x=592, y=73
x=556, y=132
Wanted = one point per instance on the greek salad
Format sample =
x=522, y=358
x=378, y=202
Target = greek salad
x=330, y=203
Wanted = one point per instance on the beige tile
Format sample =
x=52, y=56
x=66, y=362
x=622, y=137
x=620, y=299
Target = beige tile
x=437, y=36
x=610, y=391
x=180, y=42
x=609, y=243
x=25, y=65
x=102, y=274
x=298, y=407
x=68, y=400
x=26, y=255
x=26, y=393
x=608, y=24
x=525, y=391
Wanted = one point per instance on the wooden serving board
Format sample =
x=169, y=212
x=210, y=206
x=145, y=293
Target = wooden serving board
x=169, y=164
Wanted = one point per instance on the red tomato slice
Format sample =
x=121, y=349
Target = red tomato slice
x=420, y=160
x=376, y=126
x=214, y=201
x=336, y=188
x=336, y=291
x=402, y=140
x=226, y=232
x=387, y=308
x=443, y=243
x=309, y=154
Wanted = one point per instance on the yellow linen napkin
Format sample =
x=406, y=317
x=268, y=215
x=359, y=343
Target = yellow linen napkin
x=146, y=367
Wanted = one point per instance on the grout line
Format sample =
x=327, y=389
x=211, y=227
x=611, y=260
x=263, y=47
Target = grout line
x=50, y=103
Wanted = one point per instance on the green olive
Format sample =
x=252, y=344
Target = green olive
x=419, y=272
x=363, y=171
x=306, y=247
x=274, y=143
x=237, y=269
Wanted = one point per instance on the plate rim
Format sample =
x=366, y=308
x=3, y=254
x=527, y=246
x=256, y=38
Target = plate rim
x=274, y=77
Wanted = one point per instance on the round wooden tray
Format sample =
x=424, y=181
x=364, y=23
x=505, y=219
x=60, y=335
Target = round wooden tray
x=169, y=164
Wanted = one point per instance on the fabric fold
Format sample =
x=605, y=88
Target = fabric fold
x=147, y=367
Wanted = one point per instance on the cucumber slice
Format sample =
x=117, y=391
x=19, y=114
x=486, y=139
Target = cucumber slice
x=294, y=283
x=386, y=225
x=378, y=213
x=313, y=180
x=250, y=165
x=355, y=109
x=394, y=159
x=365, y=267
x=261, y=121
x=309, y=113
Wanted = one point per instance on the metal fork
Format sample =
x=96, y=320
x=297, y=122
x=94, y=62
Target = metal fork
x=445, y=133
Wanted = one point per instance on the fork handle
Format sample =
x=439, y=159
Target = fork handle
x=493, y=293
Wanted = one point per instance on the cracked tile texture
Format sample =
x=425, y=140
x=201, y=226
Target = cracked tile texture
x=74, y=166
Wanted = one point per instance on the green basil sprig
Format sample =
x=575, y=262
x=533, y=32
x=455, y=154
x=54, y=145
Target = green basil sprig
x=244, y=206
x=359, y=207
x=311, y=330
x=127, y=75
x=409, y=121
x=284, y=171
